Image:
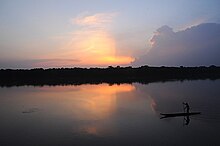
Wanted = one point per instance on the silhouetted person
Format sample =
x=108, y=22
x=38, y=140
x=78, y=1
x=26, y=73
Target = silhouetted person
x=186, y=107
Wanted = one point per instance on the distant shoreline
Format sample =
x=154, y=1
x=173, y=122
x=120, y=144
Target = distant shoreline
x=111, y=75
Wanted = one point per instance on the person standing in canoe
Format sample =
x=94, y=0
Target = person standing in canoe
x=186, y=107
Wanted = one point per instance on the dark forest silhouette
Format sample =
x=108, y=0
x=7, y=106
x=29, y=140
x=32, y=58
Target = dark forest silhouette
x=111, y=75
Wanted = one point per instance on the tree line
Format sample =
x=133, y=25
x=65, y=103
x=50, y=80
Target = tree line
x=111, y=75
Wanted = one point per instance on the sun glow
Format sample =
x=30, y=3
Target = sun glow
x=101, y=50
x=92, y=44
x=96, y=48
x=114, y=60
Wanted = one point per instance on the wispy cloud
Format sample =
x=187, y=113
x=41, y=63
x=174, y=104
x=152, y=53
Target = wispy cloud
x=98, y=19
x=54, y=62
x=35, y=63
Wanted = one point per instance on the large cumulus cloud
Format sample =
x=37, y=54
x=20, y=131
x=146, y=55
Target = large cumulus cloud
x=195, y=46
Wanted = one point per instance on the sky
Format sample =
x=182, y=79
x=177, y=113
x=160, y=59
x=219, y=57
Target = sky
x=100, y=33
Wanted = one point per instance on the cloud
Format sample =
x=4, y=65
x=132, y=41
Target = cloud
x=98, y=19
x=194, y=46
x=38, y=63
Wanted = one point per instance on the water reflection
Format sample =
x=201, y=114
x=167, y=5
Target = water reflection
x=125, y=114
x=203, y=96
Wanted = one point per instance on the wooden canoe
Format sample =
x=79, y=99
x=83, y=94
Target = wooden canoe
x=179, y=114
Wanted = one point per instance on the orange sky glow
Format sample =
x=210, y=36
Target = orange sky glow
x=91, y=45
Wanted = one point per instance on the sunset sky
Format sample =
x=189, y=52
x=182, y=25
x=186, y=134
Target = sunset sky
x=88, y=33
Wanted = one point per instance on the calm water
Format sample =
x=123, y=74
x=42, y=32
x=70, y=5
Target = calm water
x=125, y=114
